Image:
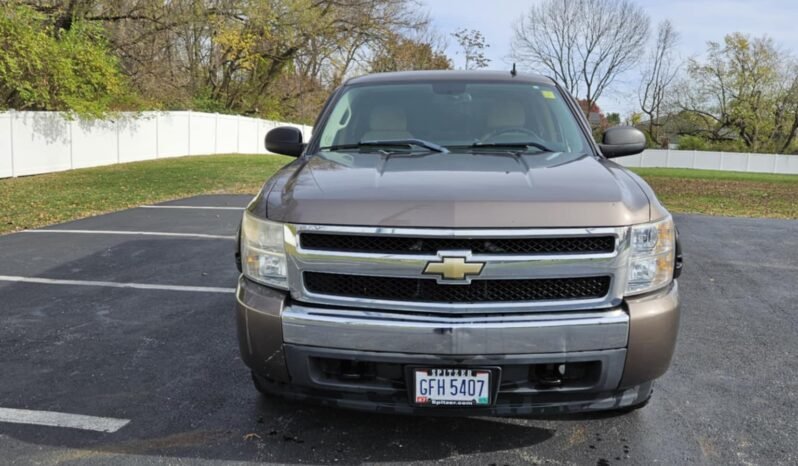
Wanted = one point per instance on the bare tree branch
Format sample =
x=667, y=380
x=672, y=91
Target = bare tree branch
x=584, y=44
x=659, y=73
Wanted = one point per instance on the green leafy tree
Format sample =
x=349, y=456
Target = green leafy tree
x=746, y=90
x=688, y=142
x=276, y=59
x=634, y=119
x=45, y=68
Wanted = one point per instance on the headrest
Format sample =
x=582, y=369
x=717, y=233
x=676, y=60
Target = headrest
x=385, y=118
x=506, y=114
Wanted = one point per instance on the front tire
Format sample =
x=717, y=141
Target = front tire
x=259, y=384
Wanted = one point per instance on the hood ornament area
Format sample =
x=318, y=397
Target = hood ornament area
x=454, y=269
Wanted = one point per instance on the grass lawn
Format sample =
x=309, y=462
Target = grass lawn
x=724, y=193
x=34, y=201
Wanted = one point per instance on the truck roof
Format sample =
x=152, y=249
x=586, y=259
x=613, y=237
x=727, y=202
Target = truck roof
x=449, y=75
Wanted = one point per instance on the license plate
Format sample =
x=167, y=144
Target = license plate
x=452, y=387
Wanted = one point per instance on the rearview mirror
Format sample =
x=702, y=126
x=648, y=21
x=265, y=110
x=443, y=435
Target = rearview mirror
x=285, y=140
x=619, y=141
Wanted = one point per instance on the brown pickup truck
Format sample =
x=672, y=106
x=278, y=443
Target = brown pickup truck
x=456, y=243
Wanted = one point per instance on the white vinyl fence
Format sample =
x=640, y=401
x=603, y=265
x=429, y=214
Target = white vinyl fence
x=708, y=160
x=43, y=142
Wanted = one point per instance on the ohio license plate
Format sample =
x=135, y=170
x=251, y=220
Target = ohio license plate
x=452, y=387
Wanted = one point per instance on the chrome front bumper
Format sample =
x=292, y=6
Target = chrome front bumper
x=473, y=335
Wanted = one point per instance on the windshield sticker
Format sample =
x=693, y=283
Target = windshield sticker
x=548, y=94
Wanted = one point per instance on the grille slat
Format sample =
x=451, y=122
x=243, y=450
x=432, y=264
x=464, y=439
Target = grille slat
x=431, y=245
x=478, y=291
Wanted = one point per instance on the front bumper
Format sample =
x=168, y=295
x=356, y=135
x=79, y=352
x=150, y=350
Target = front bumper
x=285, y=343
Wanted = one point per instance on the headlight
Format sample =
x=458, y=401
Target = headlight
x=651, y=257
x=263, y=251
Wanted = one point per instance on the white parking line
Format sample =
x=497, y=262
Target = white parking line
x=54, y=419
x=191, y=207
x=134, y=233
x=140, y=286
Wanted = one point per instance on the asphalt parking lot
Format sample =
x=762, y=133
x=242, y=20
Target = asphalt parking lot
x=122, y=325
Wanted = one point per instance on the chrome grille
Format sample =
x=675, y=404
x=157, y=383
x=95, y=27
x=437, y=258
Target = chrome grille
x=389, y=268
x=419, y=245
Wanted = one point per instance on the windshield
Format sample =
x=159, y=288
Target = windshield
x=455, y=114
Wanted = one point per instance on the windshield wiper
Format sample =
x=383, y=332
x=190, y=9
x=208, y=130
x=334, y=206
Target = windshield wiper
x=431, y=146
x=511, y=145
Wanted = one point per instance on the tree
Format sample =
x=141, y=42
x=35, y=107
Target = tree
x=400, y=53
x=658, y=75
x=595, y=116
x=473, y=46
x=584, y=44
x=47, y=68
x=272, y=58
x=613, y=119
x=745, y=90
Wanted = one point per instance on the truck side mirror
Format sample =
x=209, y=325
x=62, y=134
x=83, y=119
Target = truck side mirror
x=285, y=140
x=619, y=141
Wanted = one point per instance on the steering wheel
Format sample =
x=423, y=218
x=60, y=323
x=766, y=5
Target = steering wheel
x=516, y=130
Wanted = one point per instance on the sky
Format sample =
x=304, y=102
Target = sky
x=697, y=22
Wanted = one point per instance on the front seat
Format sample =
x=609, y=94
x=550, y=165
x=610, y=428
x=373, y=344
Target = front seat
x=387, y=123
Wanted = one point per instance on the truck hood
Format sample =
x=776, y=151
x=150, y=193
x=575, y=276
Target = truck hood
x=455, y=190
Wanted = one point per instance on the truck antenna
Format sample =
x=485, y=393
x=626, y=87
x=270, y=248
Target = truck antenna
x=512, y=71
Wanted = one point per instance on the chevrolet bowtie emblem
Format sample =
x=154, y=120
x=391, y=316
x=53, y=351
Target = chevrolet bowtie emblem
x=454, y=268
